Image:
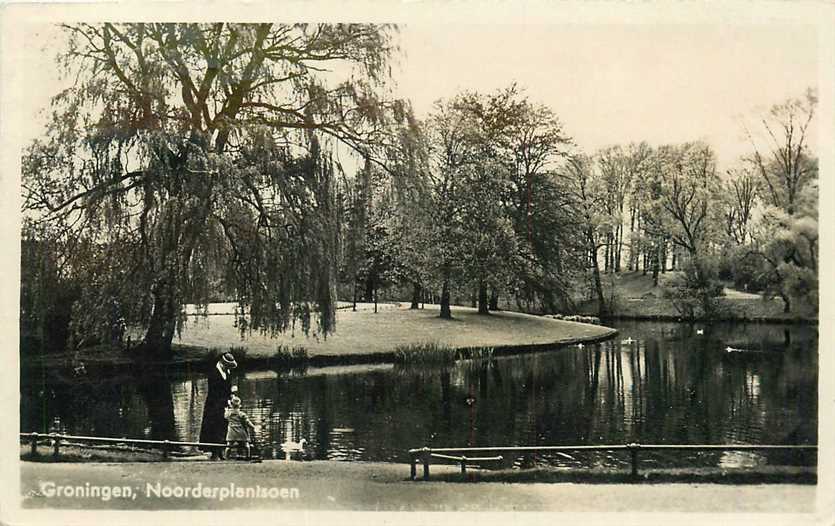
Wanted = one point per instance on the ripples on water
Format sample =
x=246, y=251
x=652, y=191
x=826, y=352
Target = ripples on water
x=670, y=385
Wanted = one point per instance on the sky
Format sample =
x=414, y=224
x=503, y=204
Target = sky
x=608, y=84
x=618, y=84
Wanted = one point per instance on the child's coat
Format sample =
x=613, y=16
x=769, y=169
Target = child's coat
x=239, y=425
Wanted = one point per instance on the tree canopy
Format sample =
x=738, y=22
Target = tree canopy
x=187, y=163
x=181, y=146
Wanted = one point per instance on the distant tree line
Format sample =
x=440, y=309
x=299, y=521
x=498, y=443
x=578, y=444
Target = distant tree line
x=670, y=208
x=501, y=202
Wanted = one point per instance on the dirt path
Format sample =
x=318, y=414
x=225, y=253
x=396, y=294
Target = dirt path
x=327, y=485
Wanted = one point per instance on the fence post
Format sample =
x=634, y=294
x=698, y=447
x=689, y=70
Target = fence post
x=56, y=444
x=463, y=465
x=426, y=463
x=413, y=467
x=34, y=444
x=633, y=450
x=166, y=447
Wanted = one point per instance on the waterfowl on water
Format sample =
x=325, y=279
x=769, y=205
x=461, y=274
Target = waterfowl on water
x=470, y=400
x=289, y=447
x=580, y=345
x=746, y=351
x=628, y=341
x=700, y=331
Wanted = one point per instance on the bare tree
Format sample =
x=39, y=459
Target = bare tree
x=584, y=188
x=781, y=155
x=690, y=187
x=740, y=193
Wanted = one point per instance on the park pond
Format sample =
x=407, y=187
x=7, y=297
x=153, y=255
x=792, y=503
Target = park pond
x=655, y=383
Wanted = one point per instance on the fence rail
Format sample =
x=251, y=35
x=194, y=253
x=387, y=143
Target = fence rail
x=425, y=454
x=56, y=438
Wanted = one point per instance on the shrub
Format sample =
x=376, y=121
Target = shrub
x=695, y=294
x=480, y=354
x=425, y=353
x=432, y=353
x=594, y=320
x=285, y=355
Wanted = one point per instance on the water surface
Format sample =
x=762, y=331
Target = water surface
x=660, y=383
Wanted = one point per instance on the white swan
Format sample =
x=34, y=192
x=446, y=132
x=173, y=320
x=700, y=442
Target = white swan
x=289, y=447
x=700, y=331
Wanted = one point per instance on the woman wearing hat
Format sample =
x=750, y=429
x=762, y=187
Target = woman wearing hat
x=213, y=428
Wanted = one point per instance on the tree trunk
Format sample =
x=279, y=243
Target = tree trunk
x=633, y=261
x=606, y=256
x=415, y=296
x=619, y=246
x=482, y=298
x=549, y=304
x=787, y=304
x=446, y=313
x=602, y=309
x=369, y=289
x=354, y=303
x=177, y=248
x=494, y=300
x=656, y=256
x=159, y=399
x=160, y=333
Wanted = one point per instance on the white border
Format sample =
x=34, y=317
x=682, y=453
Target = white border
x=821, y=15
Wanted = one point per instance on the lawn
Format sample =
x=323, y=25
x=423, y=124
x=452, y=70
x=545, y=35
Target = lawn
x=635, y=296
x=367, y=332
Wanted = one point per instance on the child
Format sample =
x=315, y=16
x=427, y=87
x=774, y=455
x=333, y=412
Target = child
x=240, y=427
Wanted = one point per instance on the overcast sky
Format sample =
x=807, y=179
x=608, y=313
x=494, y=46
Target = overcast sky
x=616, y=84
x=607, y=83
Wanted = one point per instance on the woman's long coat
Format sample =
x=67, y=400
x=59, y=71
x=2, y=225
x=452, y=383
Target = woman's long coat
x=213, y=428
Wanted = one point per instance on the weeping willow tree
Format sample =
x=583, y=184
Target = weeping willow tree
x=285, y=247
x=183, y=148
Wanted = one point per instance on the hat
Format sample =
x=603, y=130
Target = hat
x=228, y=360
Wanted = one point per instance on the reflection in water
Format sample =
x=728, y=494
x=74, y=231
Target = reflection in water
x=741, y=459
x=188, y=396
x=671, y=385
x=158, y=398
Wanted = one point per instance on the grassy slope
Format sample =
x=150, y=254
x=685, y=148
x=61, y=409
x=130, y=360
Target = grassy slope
x=360, y=334
x=366, y=332
x=636, y=296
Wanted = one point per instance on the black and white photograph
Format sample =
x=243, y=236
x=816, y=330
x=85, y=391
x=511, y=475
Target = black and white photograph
x=519, y=259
